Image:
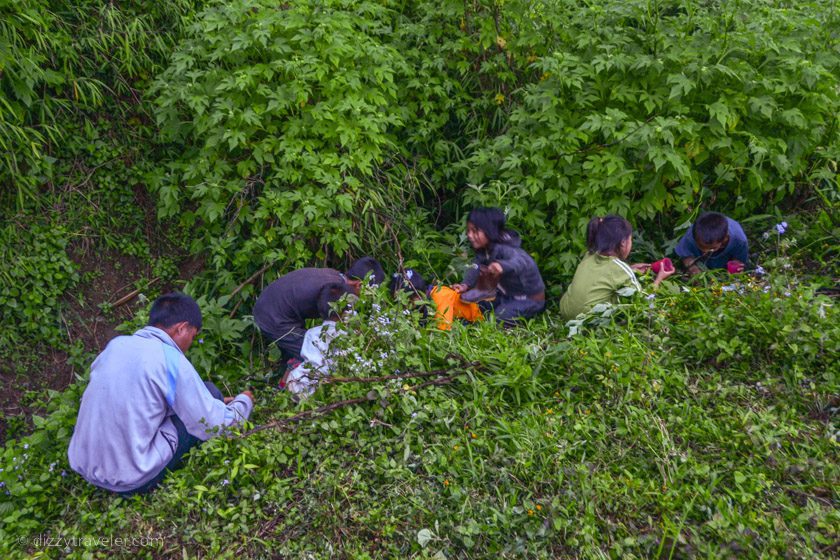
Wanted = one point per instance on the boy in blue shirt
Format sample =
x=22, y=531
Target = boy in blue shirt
x=714, y=240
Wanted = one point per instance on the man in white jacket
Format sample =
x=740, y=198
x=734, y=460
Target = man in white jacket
x=146, y=406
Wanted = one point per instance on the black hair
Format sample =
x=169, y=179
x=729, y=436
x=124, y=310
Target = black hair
x=604, y=235
x=360, y=269
x=410, y=281
x=710, y=228
x=172, y=308
x=489, y=220
x=329, y=294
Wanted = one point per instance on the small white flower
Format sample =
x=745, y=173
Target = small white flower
x=225, y=482
x=760, y=270
x=729, y=288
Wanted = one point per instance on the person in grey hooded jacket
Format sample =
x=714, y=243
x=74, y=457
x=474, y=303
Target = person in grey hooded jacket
x=502, y=272
x=145, y=405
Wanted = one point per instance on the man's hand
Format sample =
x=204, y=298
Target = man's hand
x=495, y=269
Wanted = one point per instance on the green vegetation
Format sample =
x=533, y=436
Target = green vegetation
x=255, y=137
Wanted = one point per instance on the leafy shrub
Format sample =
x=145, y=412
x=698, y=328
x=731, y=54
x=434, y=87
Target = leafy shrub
x=63, y=61
x=283, y=111
x=327, y=122
x=654, y=110
x=36, y=274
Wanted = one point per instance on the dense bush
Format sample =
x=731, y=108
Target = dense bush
x=654, y=109
x=308, y=126
x=283, y=110
x=60, y=63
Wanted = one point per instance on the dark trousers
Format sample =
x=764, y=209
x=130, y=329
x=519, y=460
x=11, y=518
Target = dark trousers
x=186, y=441
x=509, y=309
x=290, y=341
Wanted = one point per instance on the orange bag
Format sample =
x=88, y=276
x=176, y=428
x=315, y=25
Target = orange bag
x=449, y=307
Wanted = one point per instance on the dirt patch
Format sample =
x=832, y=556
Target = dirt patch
x=83, y=319
x=106, y=296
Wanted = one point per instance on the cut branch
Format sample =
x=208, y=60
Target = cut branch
x=323, y=410
x=131, y=295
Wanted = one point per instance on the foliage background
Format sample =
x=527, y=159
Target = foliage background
x=214, y=145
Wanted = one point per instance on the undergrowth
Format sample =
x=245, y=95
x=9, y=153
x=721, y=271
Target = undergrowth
x=701, y=422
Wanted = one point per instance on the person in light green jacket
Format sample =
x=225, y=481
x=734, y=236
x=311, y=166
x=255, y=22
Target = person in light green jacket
x=603, y=272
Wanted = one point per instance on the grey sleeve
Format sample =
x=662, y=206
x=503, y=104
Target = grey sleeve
x=203, y=416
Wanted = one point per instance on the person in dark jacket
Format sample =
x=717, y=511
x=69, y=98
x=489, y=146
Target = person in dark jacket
x=502, y=272
x=284, y=305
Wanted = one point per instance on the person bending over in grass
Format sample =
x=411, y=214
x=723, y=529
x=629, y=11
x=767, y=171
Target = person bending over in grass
x=715, y=240
x=447, y=302
x=503, y=272
x=284, y=306
x=146, y=406
x=316, y=364
x=603, y=272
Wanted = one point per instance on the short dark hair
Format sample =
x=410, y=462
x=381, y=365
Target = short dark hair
x=605, y=234
x=489, y=220
x=710, y=228
x=329, y=294
x=170, y=309
x=410, y=281
x=365, y=266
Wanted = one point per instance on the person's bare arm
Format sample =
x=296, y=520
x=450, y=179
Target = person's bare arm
x=662, y=275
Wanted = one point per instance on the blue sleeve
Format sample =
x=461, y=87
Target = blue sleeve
x=740, y=247
x=514, y=260
x=687, y=247
x=741, y=251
